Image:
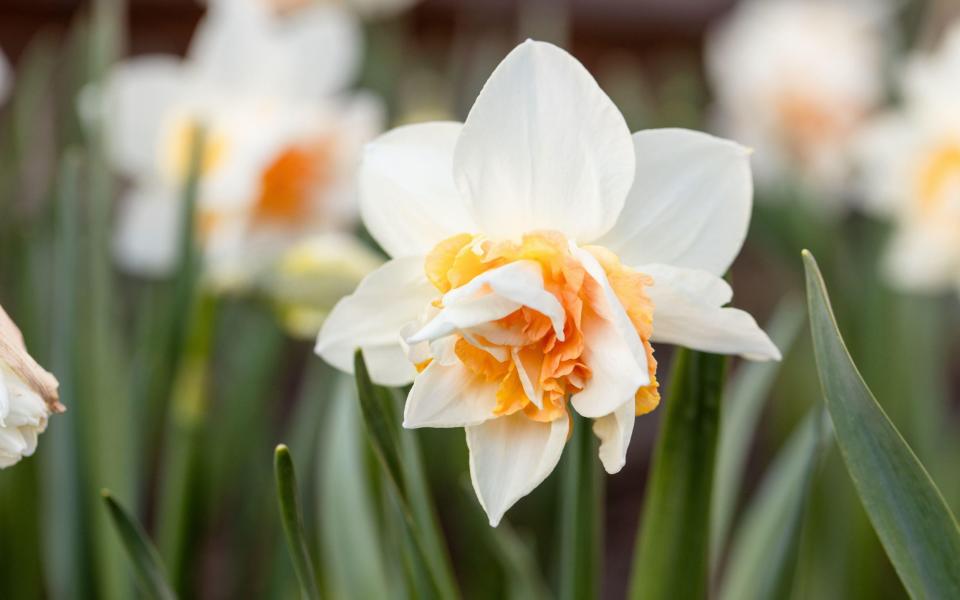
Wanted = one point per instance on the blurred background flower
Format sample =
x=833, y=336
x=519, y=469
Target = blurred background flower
x=280, y=138
x=911, y=170
x=794, y=79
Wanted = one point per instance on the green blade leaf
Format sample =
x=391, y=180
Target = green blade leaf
x=765, y=546
x=580, y=516
x=292, y=518
x=146, y=560
x=744, y=400
x=400, y=458
x=671, y=560
x=354, y=562
x=381, y=418
x=917, y=529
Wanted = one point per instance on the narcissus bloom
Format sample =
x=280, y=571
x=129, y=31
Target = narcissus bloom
x=912, y=172
x=282, y=139
x=794, y=79
x=538, y=249
x=28, y=396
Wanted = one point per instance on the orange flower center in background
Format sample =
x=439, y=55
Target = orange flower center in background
x=808, y=123
x=938, y=175
x=557, y=364
x=289, y=183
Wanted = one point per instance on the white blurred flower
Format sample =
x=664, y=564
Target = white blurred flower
x=282, y=138
x=313, y=275
x=794, y=79
x=537, y=250
x=28, y=396
x=911, y=171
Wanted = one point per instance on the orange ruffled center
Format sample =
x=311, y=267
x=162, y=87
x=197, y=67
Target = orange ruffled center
x=560, y=363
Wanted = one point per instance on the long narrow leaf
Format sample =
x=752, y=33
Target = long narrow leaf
x=146, y=560
x=671, y=560
x=909, y=514
x=292, y=517
x=744, y=400
x=399, y=457
x=352, y=545
x=580, y=516
x=381, y=417
x=765, y=546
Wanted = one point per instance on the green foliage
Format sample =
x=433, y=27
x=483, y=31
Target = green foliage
x=763, y=557
x=581, y=515
x=906, y=509
x=145, y=559
x=399, y=457
x=292, y=517
x=672, y=553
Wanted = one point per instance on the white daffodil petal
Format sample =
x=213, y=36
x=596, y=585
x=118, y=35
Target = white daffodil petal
x=612, y=349
x=544, y=148
x=690, y=202
x=372, y=317
x=493, y=295
x=449, y=396
x=510, y=456
x=133, y=105
x=521, y=282
x=148, y=229
x=241, y=45
x=408, y=199
x=690, y=317
x=615, y=431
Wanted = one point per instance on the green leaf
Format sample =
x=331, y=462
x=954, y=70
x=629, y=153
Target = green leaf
x=400, y=458
x=352, y=543
x=381, y=417
x=292, y=517
x=517, y=557
x=907, y=511
x=580, y=516
x=146, y=560
x=671, y=559
x=744, y=400
x=763, y=556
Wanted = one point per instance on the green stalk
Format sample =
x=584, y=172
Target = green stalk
x=146, y=560
x=581, y=516
x=672, y=556
x=292, y=516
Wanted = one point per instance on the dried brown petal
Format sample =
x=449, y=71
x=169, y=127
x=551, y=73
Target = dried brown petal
x=13, y=353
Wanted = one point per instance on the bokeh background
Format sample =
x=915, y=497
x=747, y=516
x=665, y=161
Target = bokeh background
x=426, y=63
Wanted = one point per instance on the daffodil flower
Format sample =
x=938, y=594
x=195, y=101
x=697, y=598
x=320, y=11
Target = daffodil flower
x=28, y=396
x=282, y=140
x=795, y=80
x=911, y=172
x=538, y=249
